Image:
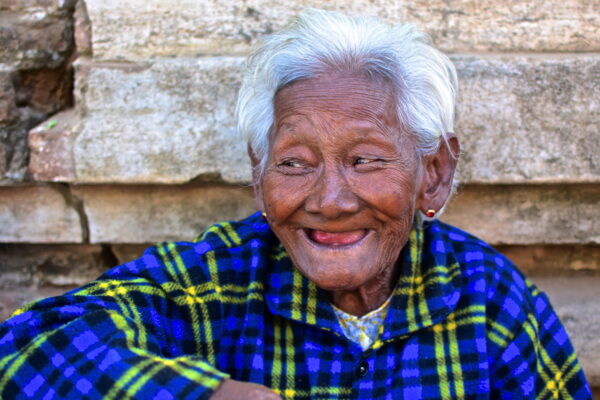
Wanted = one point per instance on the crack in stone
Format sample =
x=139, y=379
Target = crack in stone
x=77, y=204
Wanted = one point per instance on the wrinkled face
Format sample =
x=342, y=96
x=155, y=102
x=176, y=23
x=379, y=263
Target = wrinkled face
x=342, y=180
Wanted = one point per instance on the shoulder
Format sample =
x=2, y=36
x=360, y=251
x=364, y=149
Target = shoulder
x=491, y=280
x=477, y=258
x=224, y=251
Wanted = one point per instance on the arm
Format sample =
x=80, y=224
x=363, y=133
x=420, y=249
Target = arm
x=128, y=335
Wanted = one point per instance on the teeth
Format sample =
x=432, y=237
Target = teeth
x=336, y=238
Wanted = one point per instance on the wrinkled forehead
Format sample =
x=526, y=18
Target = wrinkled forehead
x=337, y=95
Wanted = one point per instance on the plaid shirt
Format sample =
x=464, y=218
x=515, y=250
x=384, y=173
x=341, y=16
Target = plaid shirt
x=463, y=324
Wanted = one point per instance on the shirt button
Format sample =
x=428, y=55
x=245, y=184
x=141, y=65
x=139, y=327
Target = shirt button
x=362, y=368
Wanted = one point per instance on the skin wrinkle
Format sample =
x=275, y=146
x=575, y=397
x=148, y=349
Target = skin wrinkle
x=340, y=161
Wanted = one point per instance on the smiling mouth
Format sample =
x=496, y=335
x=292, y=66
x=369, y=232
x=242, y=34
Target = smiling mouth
x=335, y=239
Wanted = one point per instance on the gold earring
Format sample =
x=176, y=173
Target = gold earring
x=264, y=214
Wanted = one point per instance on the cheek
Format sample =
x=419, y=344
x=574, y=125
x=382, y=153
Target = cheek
x=392, y=196
x=282, y=196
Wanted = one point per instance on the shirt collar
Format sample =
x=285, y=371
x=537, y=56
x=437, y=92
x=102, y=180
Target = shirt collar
x=427, y=291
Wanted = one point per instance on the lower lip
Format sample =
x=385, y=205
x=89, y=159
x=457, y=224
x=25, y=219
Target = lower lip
x=336, y=239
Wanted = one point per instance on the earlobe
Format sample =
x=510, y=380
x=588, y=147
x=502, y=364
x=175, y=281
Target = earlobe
x=438, y=175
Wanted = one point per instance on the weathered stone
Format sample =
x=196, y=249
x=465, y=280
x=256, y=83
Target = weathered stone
x=38, y=38
x=128, y=252
x=46, y=90
x=12, y=299
x=8, y=104
x=528, y=214
x=529, y=119
x=38, y=214
x=138, y=29
x=32, y=271
x=171, y=121
x=83, y=29
x=522, y=119
x=142, y=214
x=13, y=139
x=3, y=159
x=36, y=6
x=34, y=265
x=50, y=146
x=575, y=300
x=555, y=260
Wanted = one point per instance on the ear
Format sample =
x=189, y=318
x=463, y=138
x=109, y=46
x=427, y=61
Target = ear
x=256, y=179
x=438, y=174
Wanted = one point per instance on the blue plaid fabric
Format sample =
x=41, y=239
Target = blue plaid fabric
x=463, y=323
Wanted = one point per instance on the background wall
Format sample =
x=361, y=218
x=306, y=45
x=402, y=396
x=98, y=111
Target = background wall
x=117, y=130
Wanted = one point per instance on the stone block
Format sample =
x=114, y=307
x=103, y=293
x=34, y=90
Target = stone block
x=143, y=214
x=38, y=214
x=523, y=215
x=522, y=119
x=575, y=300
x=555, y=260
x=138, y=29
x=50, y=147
x=166, y=122
x=529, y=119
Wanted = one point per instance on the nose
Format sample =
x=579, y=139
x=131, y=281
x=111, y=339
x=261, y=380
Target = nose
x=332, y=196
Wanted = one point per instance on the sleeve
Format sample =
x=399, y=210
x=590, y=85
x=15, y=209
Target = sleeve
x=538, y=361
x=142, y=330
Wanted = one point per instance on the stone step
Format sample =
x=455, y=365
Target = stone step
x=142, y=214
x=505, y=215
x=522, y=119
x=522, y=214
x=140, y=29
x=38, y=214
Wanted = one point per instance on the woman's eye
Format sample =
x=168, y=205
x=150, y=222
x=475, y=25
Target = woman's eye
x=291, y=164
x=362, y=161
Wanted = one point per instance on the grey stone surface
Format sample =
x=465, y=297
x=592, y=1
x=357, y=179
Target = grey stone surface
x=142, y=214
x=522, y=214
x=522, y=119
x=138, y=29
x=37, y=214
x=575, y=300
x=529, y=119
x=166, y=122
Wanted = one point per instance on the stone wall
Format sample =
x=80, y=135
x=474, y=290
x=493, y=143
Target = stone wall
x=117, y=130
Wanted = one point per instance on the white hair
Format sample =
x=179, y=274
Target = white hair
x=317, y=41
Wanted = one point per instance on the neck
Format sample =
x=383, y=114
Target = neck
x=369, y=297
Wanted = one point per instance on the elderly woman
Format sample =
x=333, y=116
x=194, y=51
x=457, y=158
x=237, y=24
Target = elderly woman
x=345, y=286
